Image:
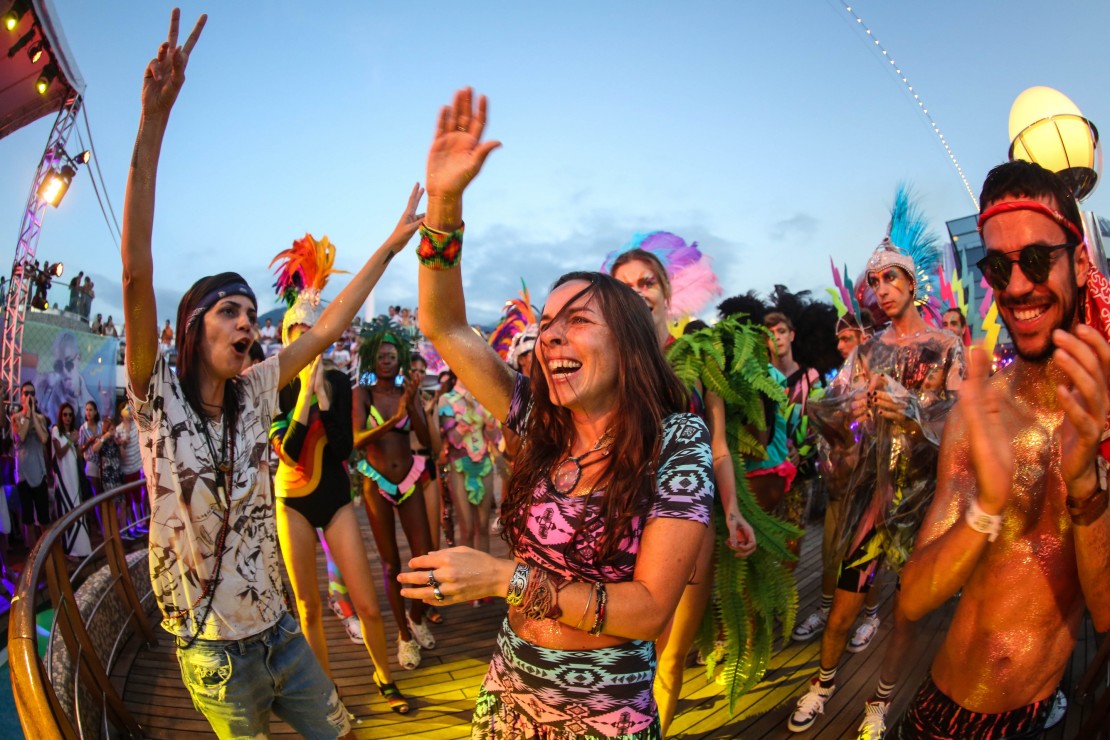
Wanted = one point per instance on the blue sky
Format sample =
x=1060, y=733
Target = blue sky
x=774, y=134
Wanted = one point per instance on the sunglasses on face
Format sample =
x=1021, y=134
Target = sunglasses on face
x=68, y=363
x=29, y=392
x=1035, y=261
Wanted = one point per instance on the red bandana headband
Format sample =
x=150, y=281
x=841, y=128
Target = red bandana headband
x=1030, y=205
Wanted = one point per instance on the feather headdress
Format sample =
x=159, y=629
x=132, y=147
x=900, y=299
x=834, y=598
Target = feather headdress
x=302, y=272
x=510, y=338
x=693, y=283
x=909, y=245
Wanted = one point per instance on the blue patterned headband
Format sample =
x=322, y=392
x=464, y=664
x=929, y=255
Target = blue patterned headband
x=223, y=291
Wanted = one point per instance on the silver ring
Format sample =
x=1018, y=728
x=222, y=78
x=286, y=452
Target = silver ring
x=437, y=593
x=460, y=128
x=432, y=578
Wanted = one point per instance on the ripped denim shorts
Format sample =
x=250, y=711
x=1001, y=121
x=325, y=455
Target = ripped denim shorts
x=235, y=684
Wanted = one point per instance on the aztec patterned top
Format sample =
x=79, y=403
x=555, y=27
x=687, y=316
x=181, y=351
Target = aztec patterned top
x=186, y=515
x=684, y=490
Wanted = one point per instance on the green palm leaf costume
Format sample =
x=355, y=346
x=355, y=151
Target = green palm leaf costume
x=750, y=593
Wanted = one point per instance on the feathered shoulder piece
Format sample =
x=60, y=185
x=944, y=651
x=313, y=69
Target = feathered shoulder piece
x=693, y=282
x=302, y=272
x=518, y=319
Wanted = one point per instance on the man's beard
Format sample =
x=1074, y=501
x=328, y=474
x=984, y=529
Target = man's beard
x=1068, y=318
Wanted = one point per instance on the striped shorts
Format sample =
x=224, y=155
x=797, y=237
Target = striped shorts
x=934, y=716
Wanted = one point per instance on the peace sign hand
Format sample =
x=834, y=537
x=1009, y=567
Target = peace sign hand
x=166, y=72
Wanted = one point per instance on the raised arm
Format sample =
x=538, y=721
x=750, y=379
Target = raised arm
x=975, y=465
x=161, y=83
x=339, y=313
x=455, y=158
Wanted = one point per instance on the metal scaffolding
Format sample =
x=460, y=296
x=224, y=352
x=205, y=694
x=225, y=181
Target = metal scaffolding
x=19, y=287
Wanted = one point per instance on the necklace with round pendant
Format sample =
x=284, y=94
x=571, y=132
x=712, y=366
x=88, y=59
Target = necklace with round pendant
x=568, y=473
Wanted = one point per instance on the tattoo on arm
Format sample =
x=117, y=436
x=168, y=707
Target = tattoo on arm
x=135, y=154
x=389, y=256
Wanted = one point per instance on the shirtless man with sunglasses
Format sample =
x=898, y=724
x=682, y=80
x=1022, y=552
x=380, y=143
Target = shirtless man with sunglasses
x=1019, y=518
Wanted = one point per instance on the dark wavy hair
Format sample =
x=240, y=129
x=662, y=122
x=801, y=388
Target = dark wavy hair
x=188, y=339
x=647, y=391
x=60, y=423
x=1020, y=179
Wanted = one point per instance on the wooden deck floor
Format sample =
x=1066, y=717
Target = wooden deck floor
x=445, y=685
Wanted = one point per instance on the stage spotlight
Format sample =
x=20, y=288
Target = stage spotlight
x=47, y=76
x=83, y=157
x=36, y=51
x=21, y=42
x=15, y=14
x=57, y=268
x=54, y=187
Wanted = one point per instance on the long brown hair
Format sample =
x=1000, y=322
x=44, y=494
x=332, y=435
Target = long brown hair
x=647, y=391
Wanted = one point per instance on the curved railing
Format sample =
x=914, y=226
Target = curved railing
x=38, y=697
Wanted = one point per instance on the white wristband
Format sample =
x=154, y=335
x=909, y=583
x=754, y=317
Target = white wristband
x=981, y=521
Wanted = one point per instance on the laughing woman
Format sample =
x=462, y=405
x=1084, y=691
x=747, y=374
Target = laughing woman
x=214, y=557
x=609, y=497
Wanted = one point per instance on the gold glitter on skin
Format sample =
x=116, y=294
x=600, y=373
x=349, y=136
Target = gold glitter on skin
x=1016, y=623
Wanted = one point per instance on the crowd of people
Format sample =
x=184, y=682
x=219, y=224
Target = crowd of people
x=646, y=483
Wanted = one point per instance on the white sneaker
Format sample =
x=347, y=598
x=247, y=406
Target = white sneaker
x=813, y=625
x=333, y=602
x=864, y=634
x=354, y=629
x=811, y=704
x=874, y=721
x=421, y=633
x=408, y=654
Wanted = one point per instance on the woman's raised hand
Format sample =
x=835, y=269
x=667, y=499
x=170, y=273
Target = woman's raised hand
x=166, y=72
x=410, y=220
x=457, y=151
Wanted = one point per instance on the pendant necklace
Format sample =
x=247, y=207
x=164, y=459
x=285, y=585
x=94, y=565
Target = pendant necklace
x=569, y=471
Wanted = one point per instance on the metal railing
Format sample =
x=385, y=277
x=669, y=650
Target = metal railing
x=38, y=699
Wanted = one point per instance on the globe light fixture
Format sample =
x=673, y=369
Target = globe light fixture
x=1047, y=128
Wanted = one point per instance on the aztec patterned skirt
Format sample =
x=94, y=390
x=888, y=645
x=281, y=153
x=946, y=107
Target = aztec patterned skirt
x=535, y=693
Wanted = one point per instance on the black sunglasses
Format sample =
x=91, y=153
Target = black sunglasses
x=28, y=391
x=1035, y=261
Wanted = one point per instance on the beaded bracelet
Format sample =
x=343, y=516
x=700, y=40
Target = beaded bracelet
x=1087, y=510
x=517, y=585
x=599, y=612
x=440, y=250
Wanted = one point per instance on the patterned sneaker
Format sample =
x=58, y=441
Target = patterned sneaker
x=408, y=654
x=811, y=704
x=813, y=625
x=874, y=721
x=421, y=633
x=336, y=607
x=864, y=634
x=354, y=629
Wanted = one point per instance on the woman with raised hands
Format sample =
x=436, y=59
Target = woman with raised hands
x=609, y=497
x=214, y=557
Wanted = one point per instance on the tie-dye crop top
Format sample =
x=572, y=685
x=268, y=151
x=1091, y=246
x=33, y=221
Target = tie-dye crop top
x=683, y=490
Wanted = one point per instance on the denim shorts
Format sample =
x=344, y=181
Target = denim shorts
x=236, y=683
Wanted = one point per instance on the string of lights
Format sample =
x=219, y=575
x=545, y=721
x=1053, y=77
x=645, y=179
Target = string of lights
x=901, y=75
